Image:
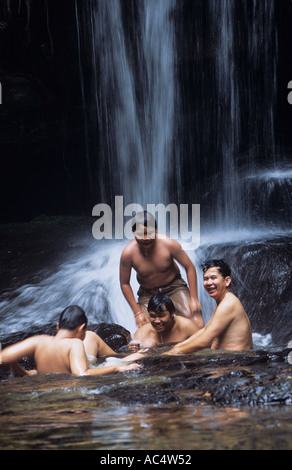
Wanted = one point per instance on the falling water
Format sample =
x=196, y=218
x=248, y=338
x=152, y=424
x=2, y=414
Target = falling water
x=228, y=118
x=245, y=46
x=133, y=88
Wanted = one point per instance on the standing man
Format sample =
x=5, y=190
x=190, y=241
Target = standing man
x=154, y=258
x=229, y=327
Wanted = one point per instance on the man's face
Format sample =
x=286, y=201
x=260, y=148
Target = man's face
x=145, y=236
x=215, y=284
x=161, y=321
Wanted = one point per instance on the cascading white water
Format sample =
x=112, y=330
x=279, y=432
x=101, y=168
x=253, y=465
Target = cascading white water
x=245, y=110
x=136, y=99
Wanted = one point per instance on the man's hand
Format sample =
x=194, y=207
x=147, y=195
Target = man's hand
x=127, y=367
x=196, y=311
x=172, y=352
x=141, y=319
x=136, y=356
x=195, y=307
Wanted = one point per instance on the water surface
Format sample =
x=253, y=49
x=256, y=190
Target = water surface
x=167, y=405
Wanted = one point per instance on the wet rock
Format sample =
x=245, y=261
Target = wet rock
x=116, y=336
x=221, y=379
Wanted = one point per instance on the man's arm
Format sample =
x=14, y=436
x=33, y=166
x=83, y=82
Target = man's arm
x=180, y=255
x=18, y=351
x=125, y=276
x=204, y=337
x=78, y=363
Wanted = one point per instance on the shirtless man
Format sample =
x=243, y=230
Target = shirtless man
x=63, y=353
x=165, y=326
x=154, y=257
x=229, y=327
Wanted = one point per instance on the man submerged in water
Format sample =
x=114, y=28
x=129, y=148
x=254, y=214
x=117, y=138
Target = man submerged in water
x=165, y=326
x=65, y=352
x=229, y=327
x=154, y=257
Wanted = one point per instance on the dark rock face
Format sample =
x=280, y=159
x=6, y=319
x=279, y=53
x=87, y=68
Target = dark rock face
x=114, y=335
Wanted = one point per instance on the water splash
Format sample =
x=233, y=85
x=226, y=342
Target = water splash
x=90, y=280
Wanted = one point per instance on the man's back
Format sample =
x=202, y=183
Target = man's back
x=52, y=354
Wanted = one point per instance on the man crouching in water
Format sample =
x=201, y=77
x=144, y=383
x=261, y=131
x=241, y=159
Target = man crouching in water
x=229, y=327
x=165, y=326
x=63, y=353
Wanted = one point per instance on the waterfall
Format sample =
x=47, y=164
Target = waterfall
x=222, y=16
x=245, y=82
x=180, y=102
x=134, y=99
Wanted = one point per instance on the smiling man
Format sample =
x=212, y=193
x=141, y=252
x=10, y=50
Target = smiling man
x=164, y=327
x=229, y=327
x=155, y=259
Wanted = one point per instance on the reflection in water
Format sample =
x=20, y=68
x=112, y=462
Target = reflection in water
x=116, y=412
x=70, y=420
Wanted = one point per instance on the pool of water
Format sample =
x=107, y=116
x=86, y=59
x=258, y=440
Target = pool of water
x=62, y=412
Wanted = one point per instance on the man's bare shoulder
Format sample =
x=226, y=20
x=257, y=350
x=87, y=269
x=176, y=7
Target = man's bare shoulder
x=129, y=250
x=60, y=343
x=73, y=342
x=167, y=240
x=170, y=243
x=91, y=335
x=183, y=320
x=41, y=339
x=142, y=331
x=230, y=300
x=230, y=305
x=186, y=323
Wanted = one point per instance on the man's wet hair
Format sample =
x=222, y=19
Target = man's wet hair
x=158, y=302
x=144, y=218
x=221, y=264
x=72, y=317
